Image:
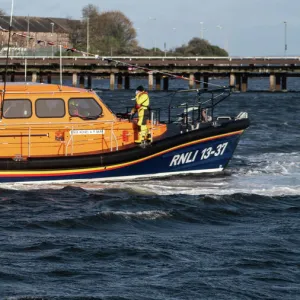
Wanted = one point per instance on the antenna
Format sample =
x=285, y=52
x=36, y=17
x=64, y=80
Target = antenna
x=7, y=55
x=60, y=65
x=27, y=46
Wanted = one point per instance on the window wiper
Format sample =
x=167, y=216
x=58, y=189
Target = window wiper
x=90, y=117
x=87, y=117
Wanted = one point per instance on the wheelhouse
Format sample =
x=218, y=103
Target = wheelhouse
x=50, y=120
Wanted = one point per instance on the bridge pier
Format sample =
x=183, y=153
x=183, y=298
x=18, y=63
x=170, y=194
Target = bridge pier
x=89, y=81
x=166, y=83
x=49, y=78
x=41, y=77
x=272, y=82
x=205, y=80
x=198, y=79
x=238, y=82
x=81, y=81
x=158, y=82
x=120, y=81
x=127, y=81
x=284, y=82
x=244, y=83
x=278, y=82
x=150, y=81
x=74, y=79
x=191, y=81
x=112, y=79
x=232, y=79
x=34, y=77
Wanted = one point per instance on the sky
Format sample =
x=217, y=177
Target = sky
x=242, y=27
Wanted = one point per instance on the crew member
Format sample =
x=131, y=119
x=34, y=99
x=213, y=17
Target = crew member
x=76, y=109
x=142, y=102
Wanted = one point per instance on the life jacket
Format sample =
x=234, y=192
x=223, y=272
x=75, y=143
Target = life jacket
x=142, y=103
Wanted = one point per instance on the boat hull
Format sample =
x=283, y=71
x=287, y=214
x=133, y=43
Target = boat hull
x=200, y=151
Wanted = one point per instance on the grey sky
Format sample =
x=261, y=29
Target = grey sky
x=249, y=27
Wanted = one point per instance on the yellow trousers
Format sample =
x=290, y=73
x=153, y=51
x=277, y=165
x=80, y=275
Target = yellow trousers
x=142, y=121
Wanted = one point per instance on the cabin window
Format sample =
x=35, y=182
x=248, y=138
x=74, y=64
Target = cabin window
x=84, y=108
x=50, y=108
x=17, y=108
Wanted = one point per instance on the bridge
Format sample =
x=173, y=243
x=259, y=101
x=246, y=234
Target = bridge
x=197, y=70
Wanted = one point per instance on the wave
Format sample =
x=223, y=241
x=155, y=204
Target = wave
x=252, y=182
x=129, y=215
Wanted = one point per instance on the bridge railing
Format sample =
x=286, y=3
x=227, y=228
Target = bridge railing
x=162, y=58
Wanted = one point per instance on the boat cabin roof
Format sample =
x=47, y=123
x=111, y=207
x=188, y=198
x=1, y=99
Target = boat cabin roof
x=29, y=87
x=37, y=100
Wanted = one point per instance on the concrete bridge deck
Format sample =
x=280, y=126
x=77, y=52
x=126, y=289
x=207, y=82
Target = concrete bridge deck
x=237, y=69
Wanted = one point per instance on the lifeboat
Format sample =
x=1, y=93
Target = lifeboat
x=54, y=133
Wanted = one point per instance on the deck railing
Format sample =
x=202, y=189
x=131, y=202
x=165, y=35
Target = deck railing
x=30, y=130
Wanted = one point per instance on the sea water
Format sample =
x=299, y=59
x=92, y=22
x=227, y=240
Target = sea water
x=231, y=236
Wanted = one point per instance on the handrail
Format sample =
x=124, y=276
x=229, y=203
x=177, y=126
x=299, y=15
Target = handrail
x=112, y=134
x=71, y=138
x=41, y=92
x=70, y=142
x=29, y=140
x=57, y=123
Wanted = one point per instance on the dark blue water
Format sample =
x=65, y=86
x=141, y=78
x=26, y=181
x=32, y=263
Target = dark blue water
x=232, y=236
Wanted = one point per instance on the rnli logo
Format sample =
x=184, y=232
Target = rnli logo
x=184, y=158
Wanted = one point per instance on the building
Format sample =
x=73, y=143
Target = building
x=42, y=32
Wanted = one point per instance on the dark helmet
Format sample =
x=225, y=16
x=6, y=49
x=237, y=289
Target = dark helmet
x=140, y=88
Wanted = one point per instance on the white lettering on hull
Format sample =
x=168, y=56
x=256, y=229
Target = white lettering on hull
x=184, y=158
x=206, y=153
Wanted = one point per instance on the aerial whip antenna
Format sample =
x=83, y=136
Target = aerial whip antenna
x=7, y=56
x=27, y=47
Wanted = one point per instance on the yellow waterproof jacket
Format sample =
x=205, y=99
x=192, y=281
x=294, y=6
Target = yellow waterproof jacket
x=142, y=101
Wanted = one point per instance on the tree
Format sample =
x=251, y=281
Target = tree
x=109, y=32
x=90, y=11
x=112, y=33
x=199, y=47
x=116, y=32
x=76, y=36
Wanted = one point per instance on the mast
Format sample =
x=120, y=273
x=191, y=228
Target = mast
x=7, y=56
x=27, y=47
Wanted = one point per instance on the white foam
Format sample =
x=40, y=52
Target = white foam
x=145, y=215
x=271, y=163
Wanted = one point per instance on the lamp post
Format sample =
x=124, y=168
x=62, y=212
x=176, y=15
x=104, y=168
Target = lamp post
x=220, y=27
x=201, y=30
x=52, y=24
x=153, y=19
x=225, y=38
x=87, y=34
x=27, y=40
x=285, y=37
x=27, y=47
x=174, y=31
